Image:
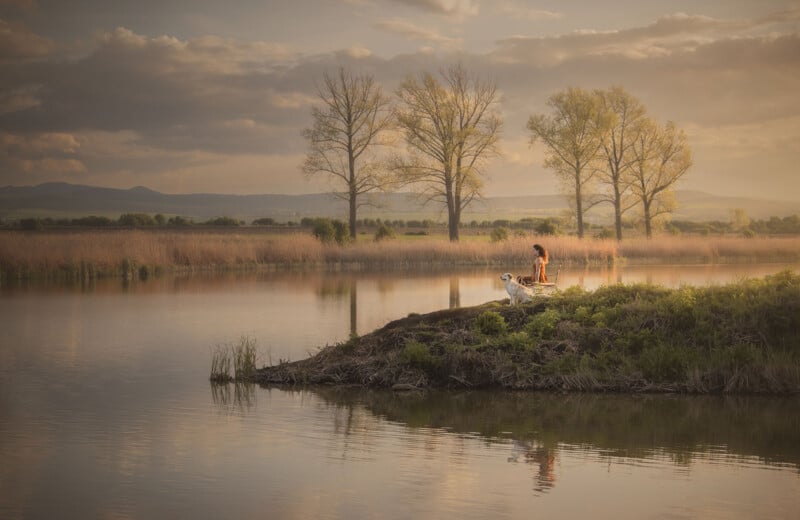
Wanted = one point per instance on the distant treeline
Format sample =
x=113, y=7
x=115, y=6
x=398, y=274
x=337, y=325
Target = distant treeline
x=789, y=225
x=772, y=226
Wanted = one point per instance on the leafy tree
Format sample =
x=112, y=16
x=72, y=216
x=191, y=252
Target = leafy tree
x=629, y=119
x=223, y=221
x=661, y=157
x=573, y=135
x=346, y=127
x=30, y=224
x=178, y=221
x=136, y=220
x=91, y=221
x=450, y=129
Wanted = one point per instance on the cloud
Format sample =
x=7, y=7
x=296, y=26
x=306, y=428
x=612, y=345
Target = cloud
x=135, y=105
x=444, y=7
x=413, y=31
x=39, y=145
x=518, y=10
x=18, y=43
x=668, y=35
x=24, y=5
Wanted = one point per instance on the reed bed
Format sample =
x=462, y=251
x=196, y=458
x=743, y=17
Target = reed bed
x=710, y=249
x=134, y=253
x=240, y=356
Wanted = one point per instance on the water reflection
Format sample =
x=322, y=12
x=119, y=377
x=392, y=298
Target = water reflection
x=455, y=292
x=243, y=397
x=541, y=456
x=536, y=426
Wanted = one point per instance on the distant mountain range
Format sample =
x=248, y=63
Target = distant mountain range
x=61, y=200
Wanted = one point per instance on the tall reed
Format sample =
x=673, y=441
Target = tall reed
x=128, y=252
x=241, y=356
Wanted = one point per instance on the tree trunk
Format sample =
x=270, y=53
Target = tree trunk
x=353, y=194
x=648, y=228
x=353, y=207
x=617, y=212
x=452, y=215
x=579, y=205
x=452, y=225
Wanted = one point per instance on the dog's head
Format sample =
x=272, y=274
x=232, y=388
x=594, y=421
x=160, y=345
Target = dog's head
x=506, y=277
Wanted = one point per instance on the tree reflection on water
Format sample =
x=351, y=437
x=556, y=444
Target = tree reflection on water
x=537, y=426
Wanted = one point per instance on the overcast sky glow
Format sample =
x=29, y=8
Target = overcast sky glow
x=213, y=98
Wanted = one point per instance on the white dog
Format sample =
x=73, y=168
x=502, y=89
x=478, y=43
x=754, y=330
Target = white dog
x=517, y=293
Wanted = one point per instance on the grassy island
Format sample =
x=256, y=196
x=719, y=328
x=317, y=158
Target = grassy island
x=738, y=338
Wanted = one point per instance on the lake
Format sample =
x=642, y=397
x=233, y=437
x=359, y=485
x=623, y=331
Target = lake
x=106, y=411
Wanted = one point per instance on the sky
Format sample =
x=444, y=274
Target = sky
x=209, y=96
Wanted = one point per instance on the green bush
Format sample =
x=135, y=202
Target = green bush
x=499, y=234
x=324, y=231
x=547, y=227
x=520, y=341
x=491, y=323
x=543, y=325
x=341, y=232
x=383, y=232
x=417, y=354
x=329, y=231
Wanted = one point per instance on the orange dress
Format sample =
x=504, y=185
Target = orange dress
x=542, y=264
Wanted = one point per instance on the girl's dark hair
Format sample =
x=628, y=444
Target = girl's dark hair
x=542, y=251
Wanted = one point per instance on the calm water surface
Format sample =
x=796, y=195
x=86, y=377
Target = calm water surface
x=106, y=412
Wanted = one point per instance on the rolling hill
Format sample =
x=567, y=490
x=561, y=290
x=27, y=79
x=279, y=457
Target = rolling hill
x=61, y=200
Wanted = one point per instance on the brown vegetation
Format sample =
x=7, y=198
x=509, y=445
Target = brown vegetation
x=137, y=252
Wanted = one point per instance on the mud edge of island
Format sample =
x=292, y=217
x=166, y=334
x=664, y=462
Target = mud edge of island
x=742, y=337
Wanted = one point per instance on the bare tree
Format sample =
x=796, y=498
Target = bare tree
x=629, y=117
x=450, y=129
x=661, y=157
x=573, y=136
x=346, y=127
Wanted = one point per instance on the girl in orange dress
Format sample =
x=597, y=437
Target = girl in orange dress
x=539, y=263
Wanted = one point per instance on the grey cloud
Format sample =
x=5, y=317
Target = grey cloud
x=151, y=84
x=179, y=100
x=672, y=33
x=522, y=10
x=415, y=32
x=446, y=7
x=18, y=43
